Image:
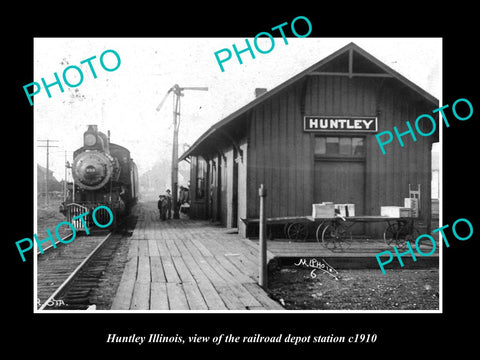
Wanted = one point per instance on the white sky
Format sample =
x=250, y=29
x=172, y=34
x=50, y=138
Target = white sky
x=124, y=101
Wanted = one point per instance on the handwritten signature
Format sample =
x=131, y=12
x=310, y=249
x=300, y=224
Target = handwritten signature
x=52, y=302
x=318, y=265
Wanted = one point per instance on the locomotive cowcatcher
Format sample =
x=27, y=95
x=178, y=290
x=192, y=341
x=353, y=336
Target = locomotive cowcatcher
x=103, y=174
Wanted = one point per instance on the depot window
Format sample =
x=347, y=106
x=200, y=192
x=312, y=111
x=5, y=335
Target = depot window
x=339, y=146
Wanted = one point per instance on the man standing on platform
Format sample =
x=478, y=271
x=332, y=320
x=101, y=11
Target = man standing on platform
x=162, y=206
x=169, y=204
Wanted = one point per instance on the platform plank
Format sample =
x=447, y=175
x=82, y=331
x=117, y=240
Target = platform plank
x=263, y=297
x=196, y=272
x=124, y=293
x=194, y=296
x=220, y=270
x=132, y=249
x=152, y=247
x=351, y=249
x=232, y=269
x=141, y=296
x=156, y=269
x=188, y=265
x=242, y=267
x=211, y=296
x=143, y=272
x=202, y=248
x=123, y=297
x=182, y=270
x=162, y=247
x=169, y=269
x=230, y=299
x=158, y=296
x=244, y=296
x=176, y=296
x=172, y=247
x=210, y=272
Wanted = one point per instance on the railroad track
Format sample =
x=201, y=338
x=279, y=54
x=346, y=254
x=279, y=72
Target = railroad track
x=58, y=267
x=49, y=247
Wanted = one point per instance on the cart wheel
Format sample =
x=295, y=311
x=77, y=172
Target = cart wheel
x=409, y=235
x=285, y=229
x=297, y=232
x=319, y=231
x=398, y=235
x=390, y=235
x=333, y=237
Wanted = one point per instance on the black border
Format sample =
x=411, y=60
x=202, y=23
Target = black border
x=397, y=333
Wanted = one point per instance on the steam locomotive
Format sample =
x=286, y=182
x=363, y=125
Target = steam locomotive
x=103, y=174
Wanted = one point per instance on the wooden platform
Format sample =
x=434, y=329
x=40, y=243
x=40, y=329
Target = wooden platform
x=358, y=254
x=189, y=265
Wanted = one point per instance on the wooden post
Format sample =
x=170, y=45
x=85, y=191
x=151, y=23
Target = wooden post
x=174, y=183
x=262, y=278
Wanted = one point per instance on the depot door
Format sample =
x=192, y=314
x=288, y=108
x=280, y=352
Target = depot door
x=340, y=173
x=341, y=183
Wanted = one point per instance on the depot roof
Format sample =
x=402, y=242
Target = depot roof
x=346, y=55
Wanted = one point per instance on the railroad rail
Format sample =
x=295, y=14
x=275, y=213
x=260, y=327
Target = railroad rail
x=66, y=237
x=56, y=269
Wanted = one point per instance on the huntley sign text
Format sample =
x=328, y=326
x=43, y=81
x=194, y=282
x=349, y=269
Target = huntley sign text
x=339, y=123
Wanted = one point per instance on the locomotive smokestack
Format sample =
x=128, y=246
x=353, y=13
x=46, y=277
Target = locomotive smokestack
x=92, y=128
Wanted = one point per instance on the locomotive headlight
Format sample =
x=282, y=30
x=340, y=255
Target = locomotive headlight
x=89, y=139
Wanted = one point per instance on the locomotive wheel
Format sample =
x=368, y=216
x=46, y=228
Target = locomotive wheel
x=297, y=231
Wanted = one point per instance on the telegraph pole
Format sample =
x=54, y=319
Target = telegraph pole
x=65, y=187
x=177, y=91
x=65, y=178
x=176, y=125
x=48, y=146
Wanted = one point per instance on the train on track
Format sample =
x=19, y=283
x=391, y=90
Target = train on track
x=103, y=174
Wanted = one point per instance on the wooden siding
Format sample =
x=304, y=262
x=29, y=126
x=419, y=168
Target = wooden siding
x=280, y=156
x=218, y=203
x=281, y=153
x=391, y=174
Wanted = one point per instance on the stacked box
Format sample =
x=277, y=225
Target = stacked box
x=405, y=212
x=412, y=203
x=395, y=211
x=345, y=209
x=323, y=210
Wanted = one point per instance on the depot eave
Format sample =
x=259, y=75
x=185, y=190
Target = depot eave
x=348, y=50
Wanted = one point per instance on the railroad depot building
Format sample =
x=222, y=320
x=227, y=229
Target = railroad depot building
x=312, y=140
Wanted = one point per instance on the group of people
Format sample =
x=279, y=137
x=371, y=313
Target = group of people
x=165, y=203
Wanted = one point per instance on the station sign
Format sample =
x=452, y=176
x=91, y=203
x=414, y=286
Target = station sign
x=339, y=123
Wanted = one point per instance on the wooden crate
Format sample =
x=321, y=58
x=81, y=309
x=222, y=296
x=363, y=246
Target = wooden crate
x=346, y=209
x=395, y=211
x=412, y=203
x=323, y=210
